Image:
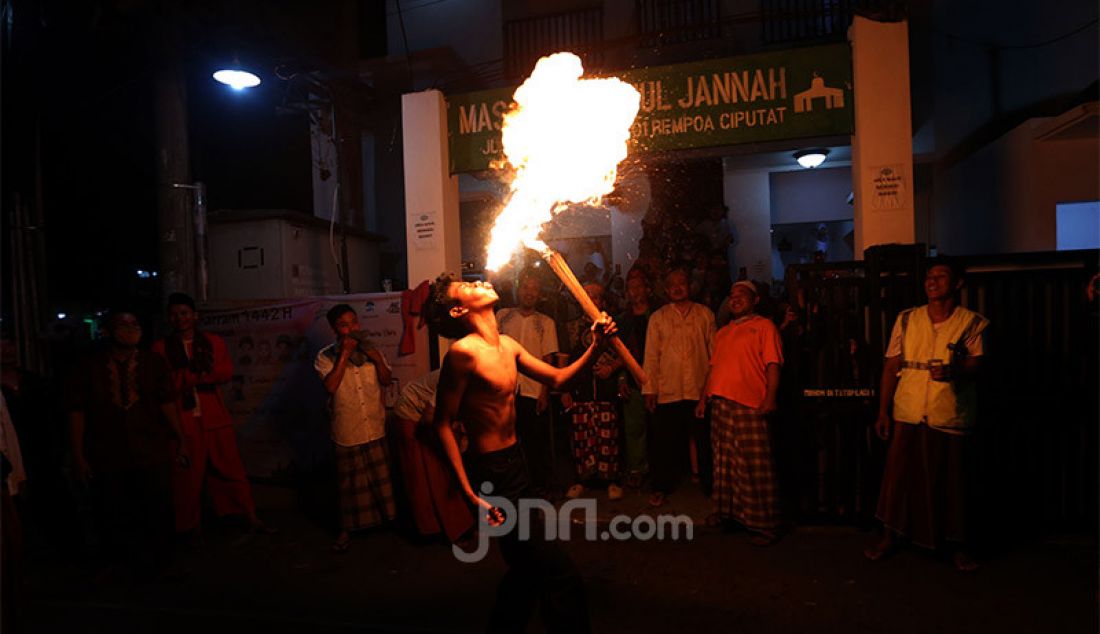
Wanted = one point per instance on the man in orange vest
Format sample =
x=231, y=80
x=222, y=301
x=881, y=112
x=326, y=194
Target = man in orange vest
x=934, y=354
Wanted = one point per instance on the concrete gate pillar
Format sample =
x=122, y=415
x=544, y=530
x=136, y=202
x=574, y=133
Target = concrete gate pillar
x=882, y=146
x=431, y=192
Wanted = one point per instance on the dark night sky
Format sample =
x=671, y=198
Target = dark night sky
x=85, y=74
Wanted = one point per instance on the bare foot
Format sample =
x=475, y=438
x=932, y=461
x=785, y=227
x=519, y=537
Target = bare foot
x=883, y=549
x=763, y=538
x=342, y=543
x=257, y=527
x=963, y=562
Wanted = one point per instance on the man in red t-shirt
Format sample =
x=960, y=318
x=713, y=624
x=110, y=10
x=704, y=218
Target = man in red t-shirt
x=741, y=386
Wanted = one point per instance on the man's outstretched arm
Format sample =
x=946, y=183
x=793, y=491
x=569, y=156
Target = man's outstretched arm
x=557, y=377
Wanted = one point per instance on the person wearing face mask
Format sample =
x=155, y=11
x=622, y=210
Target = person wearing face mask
x=123, y=416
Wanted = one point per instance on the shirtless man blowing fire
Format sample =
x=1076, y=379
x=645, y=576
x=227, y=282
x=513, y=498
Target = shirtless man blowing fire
x=477, y=385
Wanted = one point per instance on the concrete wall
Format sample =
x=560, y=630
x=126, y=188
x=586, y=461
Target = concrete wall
x=472, y=28
x=1003, y=198
x=1066, y=171
x=982, y=71
x=817, y=195
x=747, y=193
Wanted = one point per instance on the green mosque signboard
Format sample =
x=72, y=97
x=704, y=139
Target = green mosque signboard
x=791, y=94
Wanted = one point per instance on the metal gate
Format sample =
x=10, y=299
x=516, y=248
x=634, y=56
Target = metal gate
x=1036, y=446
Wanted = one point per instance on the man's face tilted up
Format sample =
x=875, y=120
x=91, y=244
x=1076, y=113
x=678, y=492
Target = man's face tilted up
x=471, y=296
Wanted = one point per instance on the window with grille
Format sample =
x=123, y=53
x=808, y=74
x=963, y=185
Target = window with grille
x=802, y=20
x=663, y=22
x=525, y=41
x=807, y=20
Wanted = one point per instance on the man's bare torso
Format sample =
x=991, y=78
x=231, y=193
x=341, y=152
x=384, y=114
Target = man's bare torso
x=488, y=407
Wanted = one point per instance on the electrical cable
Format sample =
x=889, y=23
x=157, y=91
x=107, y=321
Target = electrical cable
x=419, y=6
x=1020, y=47
x=405, y=40
x=332, y=231
x=1052, y=40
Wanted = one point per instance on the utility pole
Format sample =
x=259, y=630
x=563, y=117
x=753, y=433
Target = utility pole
x=174, y=209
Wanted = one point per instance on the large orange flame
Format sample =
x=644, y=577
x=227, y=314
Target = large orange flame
x=565, y=139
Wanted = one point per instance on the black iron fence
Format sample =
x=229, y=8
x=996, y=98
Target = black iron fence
x=1036, y=446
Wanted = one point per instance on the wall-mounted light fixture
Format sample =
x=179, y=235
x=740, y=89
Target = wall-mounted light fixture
x=811, y=158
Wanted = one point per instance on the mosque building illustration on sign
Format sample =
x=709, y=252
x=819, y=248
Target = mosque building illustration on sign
x=804, y=101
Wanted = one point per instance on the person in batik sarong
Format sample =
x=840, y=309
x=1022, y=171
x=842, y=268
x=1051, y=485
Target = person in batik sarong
x=592, y=406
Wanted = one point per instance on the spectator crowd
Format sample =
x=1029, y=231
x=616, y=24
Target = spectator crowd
x=147, y=437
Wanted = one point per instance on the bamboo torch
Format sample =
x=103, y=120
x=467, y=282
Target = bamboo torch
x=558, y=264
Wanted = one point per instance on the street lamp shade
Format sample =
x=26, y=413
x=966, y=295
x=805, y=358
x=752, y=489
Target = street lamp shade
x=810, y=159
x=237, y=78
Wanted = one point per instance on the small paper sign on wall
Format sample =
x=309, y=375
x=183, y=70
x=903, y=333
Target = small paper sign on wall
x=424, y=230
x=887, y=187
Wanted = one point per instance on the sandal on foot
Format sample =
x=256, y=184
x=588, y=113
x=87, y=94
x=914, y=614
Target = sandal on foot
x=341, y=545
x=574, y=491
x=657, y=499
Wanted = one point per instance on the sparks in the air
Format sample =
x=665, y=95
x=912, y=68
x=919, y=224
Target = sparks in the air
x=564, y=139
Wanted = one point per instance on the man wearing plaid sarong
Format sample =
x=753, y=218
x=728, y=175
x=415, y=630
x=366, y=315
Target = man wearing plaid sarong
x=741, y=387
x=353, y=372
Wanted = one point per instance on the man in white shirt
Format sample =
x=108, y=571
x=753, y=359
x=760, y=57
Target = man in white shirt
x=353, y=372
x=538, y=335
x=679, y=341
